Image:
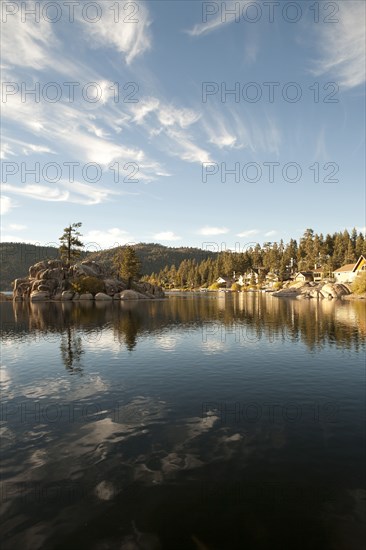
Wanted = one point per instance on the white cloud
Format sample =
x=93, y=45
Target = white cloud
x=170, y=116
x=6, y=151
x=6, y=204
x=76, y=192
x=37, y=149
x=27, y=43
x=216, y=128
x=167, y=236
x=143, y=108
x=248, y=233
x=208, y=230
x=130, y=35
x=270, y=233
x=108, y=238
x=224, y=140
x=183, y=147
x=217, y=19
x=343, y=45
x=166, y=115
x=40, y=192
x=81, y=134
x=83, y=193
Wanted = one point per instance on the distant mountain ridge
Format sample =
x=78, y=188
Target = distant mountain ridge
x=16, y=258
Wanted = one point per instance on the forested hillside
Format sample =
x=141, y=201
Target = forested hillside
x=16, y=258
x=187, y=267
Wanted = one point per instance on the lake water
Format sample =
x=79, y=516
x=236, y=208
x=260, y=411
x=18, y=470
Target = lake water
x=208, y=421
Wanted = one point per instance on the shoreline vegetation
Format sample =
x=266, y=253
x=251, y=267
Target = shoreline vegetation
x=317, y=267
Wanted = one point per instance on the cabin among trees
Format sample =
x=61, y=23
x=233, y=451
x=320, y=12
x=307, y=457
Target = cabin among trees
x=348, y=272
x=304, y=276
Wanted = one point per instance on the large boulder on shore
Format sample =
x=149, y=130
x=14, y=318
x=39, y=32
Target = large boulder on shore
x=287, y=292
x=132, y=295
x=67, y=295
x=320, y=291
x=330, y=290
x=101, y=296
x=86, y=296
x=39, y=296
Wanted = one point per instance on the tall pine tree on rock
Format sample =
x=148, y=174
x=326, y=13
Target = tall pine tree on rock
x=70, y=243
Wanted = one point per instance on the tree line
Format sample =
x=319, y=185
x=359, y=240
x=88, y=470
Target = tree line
x=313, y=252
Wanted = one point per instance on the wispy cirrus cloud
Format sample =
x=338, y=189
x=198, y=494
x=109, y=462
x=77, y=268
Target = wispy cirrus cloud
x=343, y=45
x=6, y=151
x=75, y=192
x=183, y=146
x=78, y=133
x=239, y=129
x=170, y=123
x=212, y=230
x=6, y=204
x=27, y=43
x=128, y=32
x=213, y=20
x=218, y=133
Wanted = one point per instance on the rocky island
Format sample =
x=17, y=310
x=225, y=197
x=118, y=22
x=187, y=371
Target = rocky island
x=53, y=280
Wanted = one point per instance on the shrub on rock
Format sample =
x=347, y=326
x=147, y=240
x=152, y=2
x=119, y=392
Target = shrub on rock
x=359, y=284
x=84, y=285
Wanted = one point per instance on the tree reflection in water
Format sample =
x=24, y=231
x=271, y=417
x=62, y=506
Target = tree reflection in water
x=254, y=316
x=71, y=350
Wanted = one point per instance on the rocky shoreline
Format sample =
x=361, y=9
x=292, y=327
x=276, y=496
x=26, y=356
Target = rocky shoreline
x=53, y=281
x=318, y=291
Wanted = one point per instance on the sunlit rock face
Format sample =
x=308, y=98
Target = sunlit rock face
x=53, y=280
x=313, y=290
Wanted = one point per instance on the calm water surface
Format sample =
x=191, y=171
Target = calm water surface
x=200, y=421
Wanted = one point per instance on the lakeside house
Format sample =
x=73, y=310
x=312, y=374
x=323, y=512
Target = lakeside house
x=227, y=281
x=249, y=277
x=344, y=274
x=347, y=273
x=304, y=276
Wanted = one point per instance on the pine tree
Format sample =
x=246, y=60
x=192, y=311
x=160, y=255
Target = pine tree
x=127, y=264
x=70, y=243
x=350, y=255
x=360, y=247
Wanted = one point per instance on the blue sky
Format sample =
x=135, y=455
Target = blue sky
x=174, y=126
